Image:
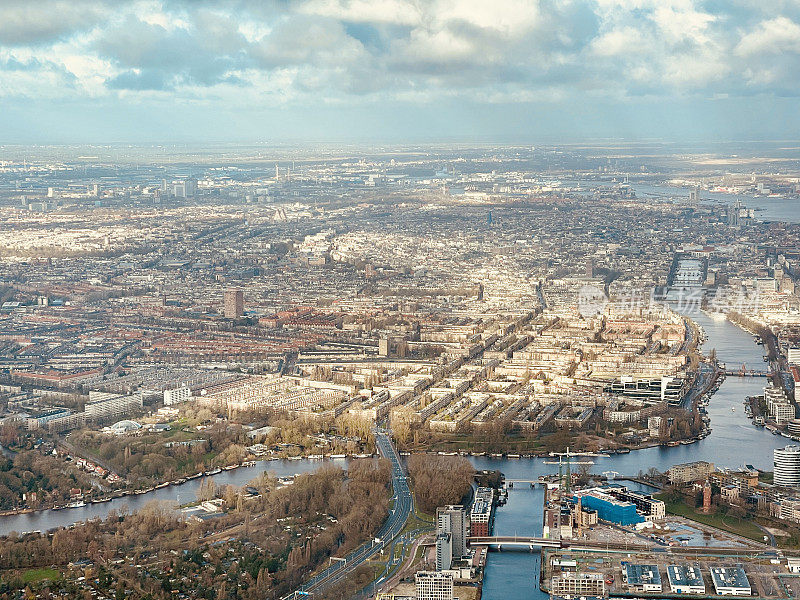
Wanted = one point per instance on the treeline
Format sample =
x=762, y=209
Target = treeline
x=439, y=480
x=159, y=457
x=262, y=548
x=43, y=479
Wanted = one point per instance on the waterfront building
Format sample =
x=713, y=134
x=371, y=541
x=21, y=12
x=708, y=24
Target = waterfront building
x=688, y=472
x=577, y=584
x=686, y=579
x=481, y=512
x=608, y=507
x=433, y=585
x=453, y=520
x=787, y=466
x=730, y=581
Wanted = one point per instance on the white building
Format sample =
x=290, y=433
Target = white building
x=730, y=581
x=105, y=406
x=787, y=466
x=686, y=579
x=578, y=584
x=793, y=356
x=181, y=394
x=432, y=585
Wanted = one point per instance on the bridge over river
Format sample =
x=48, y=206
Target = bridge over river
x=532, y=543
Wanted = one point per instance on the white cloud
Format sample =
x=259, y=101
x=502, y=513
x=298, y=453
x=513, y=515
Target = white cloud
x=352, y=50
x=397, y=12
x=774, y=36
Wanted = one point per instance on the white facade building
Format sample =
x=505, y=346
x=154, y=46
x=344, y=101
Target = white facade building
x=432, y=585
x=787, y=466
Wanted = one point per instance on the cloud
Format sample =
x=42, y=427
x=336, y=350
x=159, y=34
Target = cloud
x=775, y=36
x=315, y=53
x=25, y=22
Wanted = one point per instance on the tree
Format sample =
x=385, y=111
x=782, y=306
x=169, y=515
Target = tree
x=439, y=480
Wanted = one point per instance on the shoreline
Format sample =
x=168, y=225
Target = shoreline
x=122, y=493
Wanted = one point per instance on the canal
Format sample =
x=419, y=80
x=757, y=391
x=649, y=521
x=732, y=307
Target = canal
x=733, y=442
x=180, y=494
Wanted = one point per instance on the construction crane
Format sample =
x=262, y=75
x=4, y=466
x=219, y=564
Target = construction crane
x=566, y=459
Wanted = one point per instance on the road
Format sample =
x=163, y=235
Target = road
x=403, y=506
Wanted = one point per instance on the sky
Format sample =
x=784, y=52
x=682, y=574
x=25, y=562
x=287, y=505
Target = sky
x=91, y=71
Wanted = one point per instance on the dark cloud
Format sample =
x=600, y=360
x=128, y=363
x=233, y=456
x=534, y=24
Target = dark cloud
x=330, y=51
x=34, y=22
x=201, y=55
x=140, y=81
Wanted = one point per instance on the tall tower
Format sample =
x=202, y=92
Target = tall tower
x=707, y=497
x=233, y=304
x=453, y=520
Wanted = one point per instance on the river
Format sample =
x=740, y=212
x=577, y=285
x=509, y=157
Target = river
x=181, y=494
x=768, y=208
x=733, y=441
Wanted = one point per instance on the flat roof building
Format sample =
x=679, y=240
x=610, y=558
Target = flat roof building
x=444, y=551
x=481, y=512
x=608, y=507
x=233, y=304
x=432, y=585
x=686, y=579
x=730, y=581
x=693, y=471
x=577, y=584
x=642, y=578
x=453, y=520
x=646, y=505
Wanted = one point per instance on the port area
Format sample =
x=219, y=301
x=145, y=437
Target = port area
x=675, y=559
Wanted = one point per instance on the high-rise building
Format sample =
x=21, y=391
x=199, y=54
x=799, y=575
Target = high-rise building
x=433, y=585
x=184, y=188
x=787, y=466
x=234, y=304
x=444, y=551
x=453, y=520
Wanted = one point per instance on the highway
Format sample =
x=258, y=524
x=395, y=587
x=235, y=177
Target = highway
x=398, y=517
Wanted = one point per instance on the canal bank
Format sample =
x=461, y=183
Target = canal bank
x=174, y=494
x=733, y=442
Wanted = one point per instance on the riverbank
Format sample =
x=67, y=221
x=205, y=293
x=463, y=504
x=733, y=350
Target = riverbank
x=120, y=494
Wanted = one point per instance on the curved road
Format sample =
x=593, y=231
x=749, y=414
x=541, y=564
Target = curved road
x=398, y=516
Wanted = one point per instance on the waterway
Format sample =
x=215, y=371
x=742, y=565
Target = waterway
x=175, y=494
x=767, y=208
x=733, y=442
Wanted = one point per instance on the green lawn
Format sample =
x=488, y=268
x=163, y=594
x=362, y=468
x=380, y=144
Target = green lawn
x=32, y=575
x=744, y=527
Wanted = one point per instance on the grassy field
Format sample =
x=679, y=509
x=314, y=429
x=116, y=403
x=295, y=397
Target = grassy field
x=32, y=575
x=744, y=527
